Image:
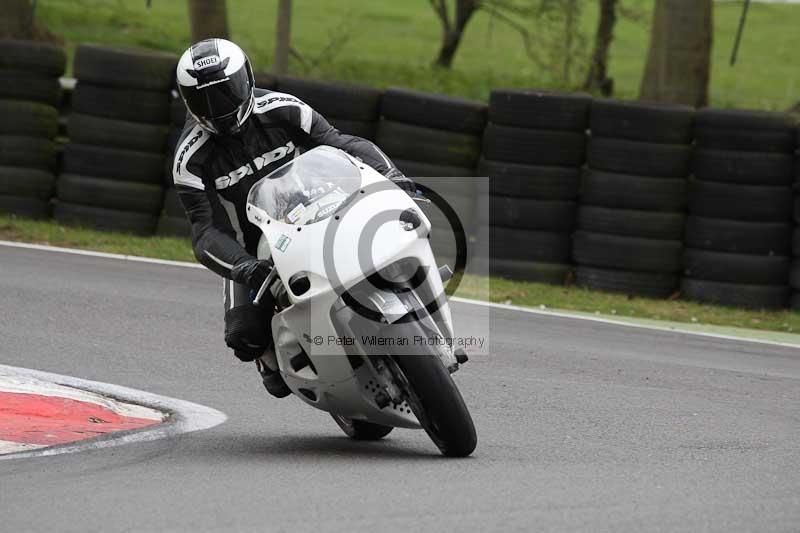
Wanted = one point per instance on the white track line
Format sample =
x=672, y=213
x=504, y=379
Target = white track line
x=558, y=314
x=7, y=447
x=504, y=307
x=185, y=417
x=121, y=257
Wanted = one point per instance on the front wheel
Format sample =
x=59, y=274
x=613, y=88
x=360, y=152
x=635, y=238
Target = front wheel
x=361, y=430
x=436, y=402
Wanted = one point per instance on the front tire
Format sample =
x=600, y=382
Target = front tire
x=437, y=402
x=361, y=430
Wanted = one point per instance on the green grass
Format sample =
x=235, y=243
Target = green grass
x=496, y=290
x=578, y=299
x=393, y=43
x=48, y=232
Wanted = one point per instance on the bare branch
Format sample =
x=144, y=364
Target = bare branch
x=524, y=10
x=440, y=7
x=338, y=38
x=597, y=78
x=295, y=53
x=337, y=41
x=453, y=31
x=632, y=13
x=464, y=11
x=527, y=38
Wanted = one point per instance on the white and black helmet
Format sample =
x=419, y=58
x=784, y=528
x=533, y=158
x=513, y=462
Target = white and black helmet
x=216, y=82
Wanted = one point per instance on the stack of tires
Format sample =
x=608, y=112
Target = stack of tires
x=738, y=235
x=353, y=109
x=795, y=278
x=177, y=119
x=436, y=140
x=64, y=111
x=265, y=80
x=29, y=98
x=633, y=198
x=113, y=166
x=173, y=221
x=534, y=148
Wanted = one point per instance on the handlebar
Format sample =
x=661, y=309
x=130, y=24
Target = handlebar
x=265, y=286
x=420, y=198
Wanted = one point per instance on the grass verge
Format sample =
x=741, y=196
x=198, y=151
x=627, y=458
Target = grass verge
x=497, y=290
x=574, y=298
x=48, y=232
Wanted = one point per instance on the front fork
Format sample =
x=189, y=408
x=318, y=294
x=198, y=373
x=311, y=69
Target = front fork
x=393, y=308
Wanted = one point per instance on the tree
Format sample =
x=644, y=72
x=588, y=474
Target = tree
x=18, y=21
x=550, y=31
x=452, y=28
x=571, y=11
x=679, y=61
x=597, y=78
x=208, y=18
x=283, y=40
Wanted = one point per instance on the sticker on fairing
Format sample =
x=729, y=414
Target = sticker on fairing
x=295, y=214
x=283, y=243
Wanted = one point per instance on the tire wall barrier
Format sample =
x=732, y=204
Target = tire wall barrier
x=533, y=149
x=173, y=221
x=794, y=280
x=114, y=162
x=738, y=248
x=632, y=197
x=437, y=140
x=30, y=96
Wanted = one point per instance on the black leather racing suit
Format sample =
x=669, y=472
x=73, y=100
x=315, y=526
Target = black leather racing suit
x=213, y=176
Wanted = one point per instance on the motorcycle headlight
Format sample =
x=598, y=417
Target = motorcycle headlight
x=399, y=271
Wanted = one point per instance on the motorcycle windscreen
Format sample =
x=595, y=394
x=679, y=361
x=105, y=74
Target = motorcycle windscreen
x=309, y=189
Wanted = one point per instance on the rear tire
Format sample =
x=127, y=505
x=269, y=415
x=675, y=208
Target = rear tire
x=361, y=430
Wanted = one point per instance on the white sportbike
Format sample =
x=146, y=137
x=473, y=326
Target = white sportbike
x=362, y=327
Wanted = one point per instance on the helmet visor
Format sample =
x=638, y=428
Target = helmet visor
x=229, y=123
x=219, y=98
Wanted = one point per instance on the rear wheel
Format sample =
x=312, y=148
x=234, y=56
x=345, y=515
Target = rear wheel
x=361, y=430
x=435, y=399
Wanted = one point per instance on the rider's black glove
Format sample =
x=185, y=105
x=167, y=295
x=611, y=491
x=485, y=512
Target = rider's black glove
x=403, y=182
x=252, y=273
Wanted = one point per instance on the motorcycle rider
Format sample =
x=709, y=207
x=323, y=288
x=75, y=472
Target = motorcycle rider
x=235, y=134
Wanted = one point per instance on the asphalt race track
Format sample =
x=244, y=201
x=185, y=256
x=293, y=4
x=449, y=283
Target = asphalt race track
x=581, y=425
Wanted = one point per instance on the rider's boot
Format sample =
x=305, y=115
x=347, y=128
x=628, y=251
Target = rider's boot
x=272, y=379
